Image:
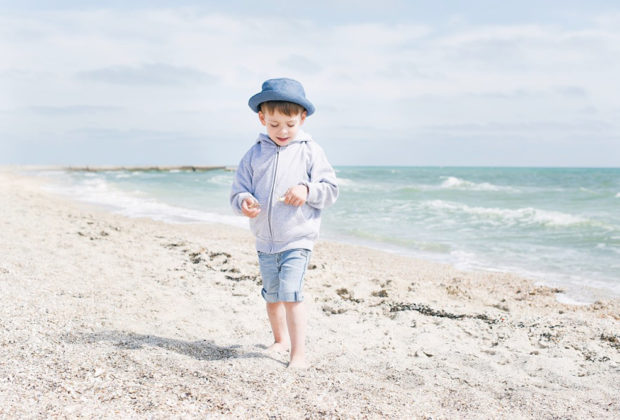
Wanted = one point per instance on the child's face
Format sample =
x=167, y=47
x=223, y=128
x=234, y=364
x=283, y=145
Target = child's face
x=281, y=128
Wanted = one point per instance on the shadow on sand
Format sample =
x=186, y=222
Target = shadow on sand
x=200, y=350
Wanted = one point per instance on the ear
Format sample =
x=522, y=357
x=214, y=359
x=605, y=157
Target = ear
x=261, y=117
x=303, y=117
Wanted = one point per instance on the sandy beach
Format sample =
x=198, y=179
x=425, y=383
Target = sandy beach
x=104, y=316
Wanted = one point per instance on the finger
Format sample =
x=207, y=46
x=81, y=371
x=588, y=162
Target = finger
x=251, y=204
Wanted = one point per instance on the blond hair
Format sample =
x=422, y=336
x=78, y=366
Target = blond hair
x=283, y=107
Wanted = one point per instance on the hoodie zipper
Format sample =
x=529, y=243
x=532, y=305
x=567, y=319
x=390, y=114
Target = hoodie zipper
x=273, y=185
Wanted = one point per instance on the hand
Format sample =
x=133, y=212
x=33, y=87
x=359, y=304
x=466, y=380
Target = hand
x=250, y=207
x=296, y=196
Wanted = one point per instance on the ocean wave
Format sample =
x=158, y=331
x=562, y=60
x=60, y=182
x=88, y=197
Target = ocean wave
x=98, y=191
x=587, y=190
x=222, y=179
x=527, y=215
x=452, y=182
x=455, y=183
x=346, y=182
x=361, y=186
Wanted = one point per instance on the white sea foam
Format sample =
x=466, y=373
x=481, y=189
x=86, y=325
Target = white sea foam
x=452, y=182
x=526, y=215
x=346, y=182
x=455, y=183
x=569, y=300
x=353, y=186
x=587, y=190
x=574, y=291
x=223, y=179
x=464, y=260
x=97, y=191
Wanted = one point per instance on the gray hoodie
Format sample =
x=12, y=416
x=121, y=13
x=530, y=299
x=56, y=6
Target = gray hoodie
x=266, y=172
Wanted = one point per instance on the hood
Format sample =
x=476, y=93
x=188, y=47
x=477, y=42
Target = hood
x=301, y=136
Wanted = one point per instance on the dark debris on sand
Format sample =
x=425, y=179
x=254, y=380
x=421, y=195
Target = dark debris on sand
x=439, y=313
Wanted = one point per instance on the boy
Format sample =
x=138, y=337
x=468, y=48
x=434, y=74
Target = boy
x=281, y=184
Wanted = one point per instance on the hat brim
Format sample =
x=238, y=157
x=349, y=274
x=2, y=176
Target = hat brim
x=271, y=95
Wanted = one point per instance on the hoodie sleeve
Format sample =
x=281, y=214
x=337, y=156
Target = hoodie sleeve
x=323, y=186
x=242, y=185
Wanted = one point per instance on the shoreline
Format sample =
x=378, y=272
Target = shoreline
x=572, y=294
x=103, y=313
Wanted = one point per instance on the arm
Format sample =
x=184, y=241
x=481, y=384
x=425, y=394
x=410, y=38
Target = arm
x=323, y=186
x=241, y=199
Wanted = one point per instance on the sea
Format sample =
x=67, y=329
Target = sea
x=557, y=226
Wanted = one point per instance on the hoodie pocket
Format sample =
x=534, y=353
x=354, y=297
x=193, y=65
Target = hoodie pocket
x=260, y=226
x=291, y=222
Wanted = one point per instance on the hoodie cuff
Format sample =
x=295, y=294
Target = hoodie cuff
x=240, y=198
x=311, y=192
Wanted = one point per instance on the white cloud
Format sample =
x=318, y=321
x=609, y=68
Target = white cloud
x=179, y=70
x=72, y=110
x=299, y=63
x=147, y=74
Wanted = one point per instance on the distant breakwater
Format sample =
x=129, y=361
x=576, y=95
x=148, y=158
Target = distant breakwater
x=148, y=168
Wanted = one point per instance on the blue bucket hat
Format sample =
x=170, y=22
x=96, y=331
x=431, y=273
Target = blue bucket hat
x=281, y=89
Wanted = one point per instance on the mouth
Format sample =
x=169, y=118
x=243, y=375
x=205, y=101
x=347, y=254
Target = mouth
x=282, y=140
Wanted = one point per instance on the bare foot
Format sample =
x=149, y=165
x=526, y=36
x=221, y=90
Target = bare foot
x=298, y=364
x=278, y=347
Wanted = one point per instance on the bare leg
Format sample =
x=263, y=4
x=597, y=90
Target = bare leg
x=277, y=319
x=296, y=322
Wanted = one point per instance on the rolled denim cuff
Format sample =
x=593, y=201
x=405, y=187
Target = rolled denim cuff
x=282, y=297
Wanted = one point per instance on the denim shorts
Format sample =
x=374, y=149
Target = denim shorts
x=283, y=274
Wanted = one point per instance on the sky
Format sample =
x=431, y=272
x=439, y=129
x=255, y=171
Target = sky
x=451, y=83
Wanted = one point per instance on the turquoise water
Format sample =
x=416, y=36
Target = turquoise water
x=559, y=226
